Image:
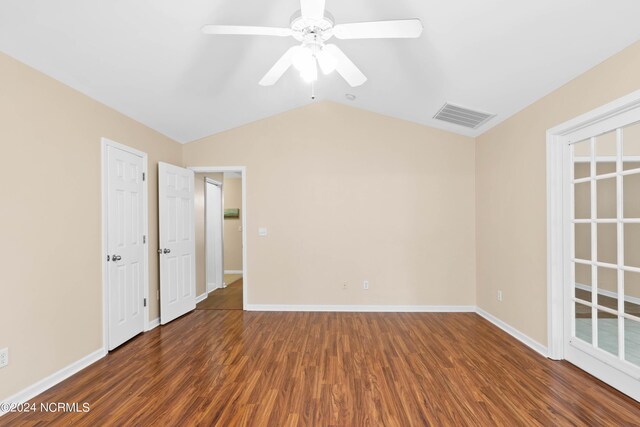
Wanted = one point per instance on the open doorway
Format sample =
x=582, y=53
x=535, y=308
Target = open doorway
x=220, y=228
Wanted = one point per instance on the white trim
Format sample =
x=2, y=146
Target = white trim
x=610, y=294
x=216, y=169
x=365, y=308
x=104, y=142
x=202, y=297
x=530, y=342
x=233, y=272
x=612, y=109
x=245, y=268
x=153, y=324
x=55, y=378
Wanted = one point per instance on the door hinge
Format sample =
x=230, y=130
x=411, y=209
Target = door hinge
x=144, y=176
x=145, y=302
x=144, y=239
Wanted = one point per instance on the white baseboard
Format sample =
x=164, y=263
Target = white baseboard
x=610, y=294
x=55, y=378
x=202, y=297
x=233, y=272
x=366, y=308
x=154, y=323
x=210, y=289
x=530, y=342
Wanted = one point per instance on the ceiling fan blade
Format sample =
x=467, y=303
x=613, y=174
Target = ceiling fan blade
x=246, y=30
x=312, y=9
x=279, y=68
x=345, y=67
x=400, y=29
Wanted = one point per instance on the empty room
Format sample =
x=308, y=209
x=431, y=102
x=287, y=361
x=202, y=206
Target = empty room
x=320, y=213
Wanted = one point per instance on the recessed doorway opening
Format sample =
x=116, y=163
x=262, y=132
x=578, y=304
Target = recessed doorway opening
x=221, y=270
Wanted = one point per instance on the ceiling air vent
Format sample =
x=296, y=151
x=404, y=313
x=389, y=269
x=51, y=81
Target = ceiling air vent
x=462, y=116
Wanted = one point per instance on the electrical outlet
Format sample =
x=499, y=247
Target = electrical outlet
x=4, y=357
x=499, y=296
x=365, y=284
x=344, y=286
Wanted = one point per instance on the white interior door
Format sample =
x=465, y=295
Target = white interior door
x=214, y=230
x=125, y=245
x=177, y=241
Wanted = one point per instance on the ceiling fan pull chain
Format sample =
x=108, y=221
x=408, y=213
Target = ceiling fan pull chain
x=313, y=90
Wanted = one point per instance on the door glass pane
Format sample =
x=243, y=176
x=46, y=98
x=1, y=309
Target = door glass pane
x=607, y=243
x=608, y=332
x=582, y=159
x=582, y=200
x=632, y=245
x=583, y=241
x=632, y=293
x=607, y=198
x=631, y=150
x=605, y=165
x=631, y=189
x=606, y=153
x=583, y=281
x=632, y=341
x=583, y=322
x=608, y=287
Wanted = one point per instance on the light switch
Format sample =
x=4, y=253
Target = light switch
x=240, y=228
x=262, y=231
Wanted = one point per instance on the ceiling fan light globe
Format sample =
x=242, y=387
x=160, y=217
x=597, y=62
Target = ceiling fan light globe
x=326, y=61
x=310, y=74
x=302, y=58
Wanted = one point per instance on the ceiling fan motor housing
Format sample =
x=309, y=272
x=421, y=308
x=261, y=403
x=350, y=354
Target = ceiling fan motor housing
x=312, y=30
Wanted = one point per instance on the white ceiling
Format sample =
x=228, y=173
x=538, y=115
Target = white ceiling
x=148, y=59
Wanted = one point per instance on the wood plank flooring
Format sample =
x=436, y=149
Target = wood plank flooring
x=229, y=367
x=229, y=298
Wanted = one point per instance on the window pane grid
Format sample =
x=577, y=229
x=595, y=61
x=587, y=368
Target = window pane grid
x=606, y=309
x=605, y=221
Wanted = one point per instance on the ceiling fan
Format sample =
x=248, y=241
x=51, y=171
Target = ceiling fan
x=312, y=26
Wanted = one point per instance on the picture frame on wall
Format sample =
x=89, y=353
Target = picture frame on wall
x=232, y=213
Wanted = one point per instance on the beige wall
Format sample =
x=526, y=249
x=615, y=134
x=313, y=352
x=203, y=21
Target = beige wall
x=201, y=263
x=511, y=197
x=233, y=226
x=50, y=214
x=349, y=195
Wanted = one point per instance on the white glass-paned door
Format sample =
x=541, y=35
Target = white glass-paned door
x=604, y=305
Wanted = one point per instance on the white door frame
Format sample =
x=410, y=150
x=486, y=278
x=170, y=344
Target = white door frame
x=206, y=231
x=105, y=240
x=243, y=172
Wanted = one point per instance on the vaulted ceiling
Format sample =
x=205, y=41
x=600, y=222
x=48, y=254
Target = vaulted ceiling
x=149, y=60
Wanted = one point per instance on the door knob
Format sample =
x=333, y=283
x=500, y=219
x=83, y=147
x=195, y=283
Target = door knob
x=116, y=257
x=167, y=251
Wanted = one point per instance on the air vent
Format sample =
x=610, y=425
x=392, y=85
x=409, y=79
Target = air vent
x=462, y=116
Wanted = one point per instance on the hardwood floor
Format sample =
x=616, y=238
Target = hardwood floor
x=229, y=298
x=231, y=367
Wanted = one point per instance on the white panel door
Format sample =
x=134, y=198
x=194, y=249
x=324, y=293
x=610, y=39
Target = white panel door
x=125, y=246
x=177, y=241
x=214, y=229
